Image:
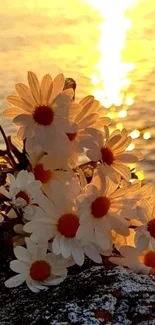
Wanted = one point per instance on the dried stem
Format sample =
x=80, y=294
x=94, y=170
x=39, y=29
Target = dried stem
x=12, y=161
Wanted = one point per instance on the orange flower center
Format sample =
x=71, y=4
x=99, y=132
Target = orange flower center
x=151, y=228
x=23, y=196
x=68, y=225
x=40, y=270
x=43, y=115
x=71, y=136
x=149, y=259
x=100, y=207
x=41, y=174
x=107, y=156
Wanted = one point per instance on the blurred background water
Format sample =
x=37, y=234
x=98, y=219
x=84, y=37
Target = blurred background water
x=107, y=46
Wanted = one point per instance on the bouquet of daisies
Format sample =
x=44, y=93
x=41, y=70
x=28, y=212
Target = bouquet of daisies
x=60, y=210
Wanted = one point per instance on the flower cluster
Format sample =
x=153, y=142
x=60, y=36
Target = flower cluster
x=60, y=215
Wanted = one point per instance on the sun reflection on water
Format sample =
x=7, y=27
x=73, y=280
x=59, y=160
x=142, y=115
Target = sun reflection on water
x=111, y=75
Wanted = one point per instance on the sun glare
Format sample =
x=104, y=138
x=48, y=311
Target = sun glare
x=110, y=77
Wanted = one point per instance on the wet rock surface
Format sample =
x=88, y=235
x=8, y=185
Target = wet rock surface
x=96, y=295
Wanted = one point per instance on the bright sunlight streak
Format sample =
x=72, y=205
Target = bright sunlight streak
x=110, y=78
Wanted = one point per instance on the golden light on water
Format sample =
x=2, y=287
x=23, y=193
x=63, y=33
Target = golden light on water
x=140, y=174
x=135, y=134
x=131, y=147
x=147, y=135
x=110, y=76
x=122, y=113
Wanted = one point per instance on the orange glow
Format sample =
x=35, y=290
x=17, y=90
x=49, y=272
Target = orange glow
x=129, y=101
x=147, y=135
x=140, y=175
x=119, y=126
x=122, y=114
x=131, y=147
x=111, y=73
x=135, y=134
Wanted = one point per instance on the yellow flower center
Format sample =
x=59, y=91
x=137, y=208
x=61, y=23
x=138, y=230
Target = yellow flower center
x=40, y=270
x=41, y=174
x=100, y=207
x=151, y=227
x=149, y=259
x=23, y=196
x=43, y=115
x=107, y=156
x=71, y=136
x=68, y=225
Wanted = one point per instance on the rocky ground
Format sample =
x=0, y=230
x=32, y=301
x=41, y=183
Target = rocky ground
x=92, y=295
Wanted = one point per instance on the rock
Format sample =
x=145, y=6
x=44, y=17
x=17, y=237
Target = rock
x=96, y=295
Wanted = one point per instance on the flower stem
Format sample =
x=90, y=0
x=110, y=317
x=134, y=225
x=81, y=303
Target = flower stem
x=12, y=161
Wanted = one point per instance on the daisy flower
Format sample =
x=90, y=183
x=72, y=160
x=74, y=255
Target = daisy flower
x=47, y=167
x=62, y=224
x=37, y=267
x=143, y=195
x=139, y=261
x=111, y=151
x=87, y=116
x=104, y=207
x=41, y=110
x=24, y=191
x=145, y=234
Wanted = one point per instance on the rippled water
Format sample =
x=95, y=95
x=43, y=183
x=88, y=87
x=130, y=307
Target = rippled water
x=108, y=50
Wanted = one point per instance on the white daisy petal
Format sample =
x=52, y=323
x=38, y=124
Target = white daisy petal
x=58, y=85
x=65, y=247
x=15, y=281
x=94, y=154
x=88, y=121
x=17, y=101
x=5, y=192
x=124, y=171
x=128, y=251
x=86, y=105
x=127, y=158
x=22, y=253
x=141, y=240
x=24, y=93
x=102, y=122
x=20, y=133
x=34, y=87
x=46, y=89
x=77, y=253
x=92, y=252
x=54, y=281
x=56, y=245
x=59, y=271
x=12, y=112
x=37, y=285
x=113, y=140
x=111, y=187
x=103, y=239
x=42, y=249
x=31, y=286
x=19, y=266
x=31, y=247
x=119, y=261
x=120, y=225
x=23, y=119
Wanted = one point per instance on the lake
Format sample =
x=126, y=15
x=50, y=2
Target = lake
x=108, y=47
